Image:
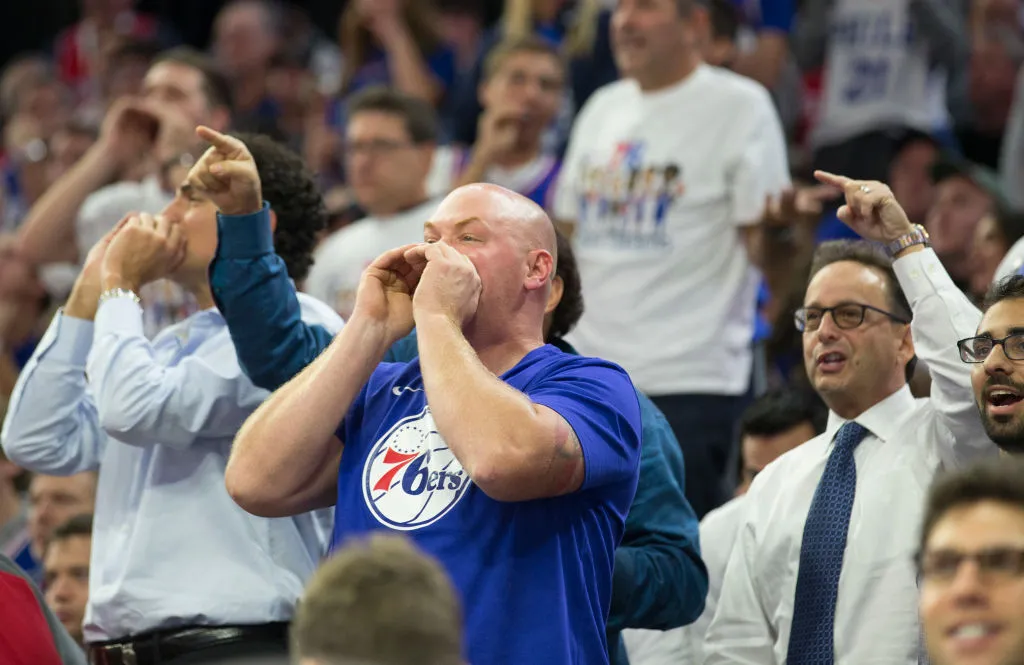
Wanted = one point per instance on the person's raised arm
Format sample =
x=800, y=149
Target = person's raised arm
x=942, y=314
x=249, y=281
x=285, y=458
x=128, y=132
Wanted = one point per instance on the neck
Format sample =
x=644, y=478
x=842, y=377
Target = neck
x=501, y=347
x=199, y=287
x=10, y=503
x=393, y=207
x=672, y=74
x=519, y=155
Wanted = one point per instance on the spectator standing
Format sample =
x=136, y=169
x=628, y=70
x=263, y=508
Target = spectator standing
x=665, y=181
x=822, y=565
x=177, y=568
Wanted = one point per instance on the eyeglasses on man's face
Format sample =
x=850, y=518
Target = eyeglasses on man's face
x=846, y=316
x=995, y=564
x=978, y=349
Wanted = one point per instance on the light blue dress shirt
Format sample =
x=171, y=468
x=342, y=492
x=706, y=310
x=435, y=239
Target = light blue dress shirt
x=170, y=547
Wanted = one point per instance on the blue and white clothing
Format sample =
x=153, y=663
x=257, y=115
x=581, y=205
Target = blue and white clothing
x=535, y=577
x=170, y=547
x=535, y=179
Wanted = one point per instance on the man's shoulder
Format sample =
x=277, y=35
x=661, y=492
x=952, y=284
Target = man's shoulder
x=607, y=99
x=778, y=478
x=722, y=521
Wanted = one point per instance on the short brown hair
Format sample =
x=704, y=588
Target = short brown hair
x=871, y=255
x=419, y=117
x=78, y=525
x=999, y=479
x=216, y=86
x=510, y=46
x=379, y=600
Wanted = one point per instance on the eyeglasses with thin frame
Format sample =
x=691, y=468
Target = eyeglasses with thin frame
x=847, y=316
x=995, y=564
x=978, y=349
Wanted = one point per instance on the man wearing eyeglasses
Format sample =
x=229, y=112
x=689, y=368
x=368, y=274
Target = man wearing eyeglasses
x=821, y=571
x=971, y=565
x=998, y=374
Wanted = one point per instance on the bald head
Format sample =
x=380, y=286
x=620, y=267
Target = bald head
x=516, y=215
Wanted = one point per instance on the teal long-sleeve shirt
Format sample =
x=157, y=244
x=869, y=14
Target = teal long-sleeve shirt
x=659, y=580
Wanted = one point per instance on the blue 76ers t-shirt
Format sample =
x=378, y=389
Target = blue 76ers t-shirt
x=534, y=577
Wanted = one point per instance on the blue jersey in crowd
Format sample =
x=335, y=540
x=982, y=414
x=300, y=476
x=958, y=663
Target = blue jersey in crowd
x=535, y=577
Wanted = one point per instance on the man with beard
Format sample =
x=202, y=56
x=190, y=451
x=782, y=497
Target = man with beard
x=998, y=376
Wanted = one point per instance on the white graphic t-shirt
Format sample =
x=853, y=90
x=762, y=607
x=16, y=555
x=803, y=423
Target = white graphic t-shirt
x=659, y=185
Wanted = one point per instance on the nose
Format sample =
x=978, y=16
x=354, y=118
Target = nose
x=827, y=328
x=61, y=588
x=997, y=362
x=967, y=586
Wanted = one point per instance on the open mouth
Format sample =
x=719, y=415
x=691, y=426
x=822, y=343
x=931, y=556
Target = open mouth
x=973, y=637
x=1002, y=398
x=832, y=361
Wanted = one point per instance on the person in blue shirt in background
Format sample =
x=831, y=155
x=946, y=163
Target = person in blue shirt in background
x=659, y=580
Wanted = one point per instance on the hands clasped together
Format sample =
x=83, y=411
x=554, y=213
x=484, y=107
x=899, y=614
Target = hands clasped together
x=412, y=281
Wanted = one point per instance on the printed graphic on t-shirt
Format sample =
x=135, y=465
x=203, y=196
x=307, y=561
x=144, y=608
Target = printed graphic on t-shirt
x=626, y=201
x=411, y=479
x=871, y=38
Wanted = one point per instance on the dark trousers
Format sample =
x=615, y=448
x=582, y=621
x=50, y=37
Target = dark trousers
x=707, y=427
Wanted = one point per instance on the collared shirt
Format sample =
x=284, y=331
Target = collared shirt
x=170, y=547
x=876, y=617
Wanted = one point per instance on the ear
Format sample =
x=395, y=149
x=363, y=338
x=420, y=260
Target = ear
x=541, y=269
x=906, y=350
x=555, y=295
x=273, y=221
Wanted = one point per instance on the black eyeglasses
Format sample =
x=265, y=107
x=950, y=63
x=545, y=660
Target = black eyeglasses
x=996, y=564
x=846, y=316
x=977, y=349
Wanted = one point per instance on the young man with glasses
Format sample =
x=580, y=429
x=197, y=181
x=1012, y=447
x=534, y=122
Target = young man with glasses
x=848, y=503
x=971, y=566
x=998, y=375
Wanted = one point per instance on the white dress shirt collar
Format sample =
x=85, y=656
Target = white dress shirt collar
x=882, y=420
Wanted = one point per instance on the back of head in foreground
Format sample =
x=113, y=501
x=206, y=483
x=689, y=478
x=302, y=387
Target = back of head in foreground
x=380, y=601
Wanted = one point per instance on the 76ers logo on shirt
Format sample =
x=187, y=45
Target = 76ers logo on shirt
x=411, y=479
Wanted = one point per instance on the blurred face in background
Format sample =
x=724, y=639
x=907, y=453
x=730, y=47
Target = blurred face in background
x=54, y=500
x=66, y=581
x=66, y=148
x=243, y=40
x=959, y=207
x=987, y=250
x=531, y=83
x=650, y=39
x=760, y=451
x=385, y=169
x=911, y=180
x=177, y=86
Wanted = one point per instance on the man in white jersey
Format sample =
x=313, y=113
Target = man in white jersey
x=665, y=179
x=822, y=569
x=884, y=67
x=389, y=149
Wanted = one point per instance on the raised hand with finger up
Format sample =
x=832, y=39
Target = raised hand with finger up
x=226, y=174
x=871, y=208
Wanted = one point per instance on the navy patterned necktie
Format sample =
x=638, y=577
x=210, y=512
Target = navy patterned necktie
x=821, y=554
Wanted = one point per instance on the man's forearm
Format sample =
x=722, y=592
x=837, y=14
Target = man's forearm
x=285, y=444
x=492, y=429
x=51, y=220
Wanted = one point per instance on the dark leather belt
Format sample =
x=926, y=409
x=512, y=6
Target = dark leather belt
x=162, y=646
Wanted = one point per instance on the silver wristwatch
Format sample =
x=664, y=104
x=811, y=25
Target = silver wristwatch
x=119, y=293
x=919, y=236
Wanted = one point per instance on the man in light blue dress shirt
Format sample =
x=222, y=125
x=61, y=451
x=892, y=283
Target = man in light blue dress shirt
x=173, y=556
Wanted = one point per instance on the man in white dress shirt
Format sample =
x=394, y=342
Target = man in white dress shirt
x=850, y=501
x=998, y=376
x=172, y=556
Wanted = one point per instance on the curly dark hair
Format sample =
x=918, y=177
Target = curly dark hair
x=293, y=194
x=570, y=308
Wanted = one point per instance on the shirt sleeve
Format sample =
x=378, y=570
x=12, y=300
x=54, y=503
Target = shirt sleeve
x=776, y=15
x=942, y=316
x=52, y=425
x=761, y=168
x=739, y=633
x=142, y=402
x=599, y=402
x=252, y=291
x=659, y=579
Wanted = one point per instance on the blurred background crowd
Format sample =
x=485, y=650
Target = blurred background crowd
x=393, y=103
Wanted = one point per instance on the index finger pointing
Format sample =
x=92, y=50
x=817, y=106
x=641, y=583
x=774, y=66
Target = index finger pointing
x=223, y=142
x=827, y=178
